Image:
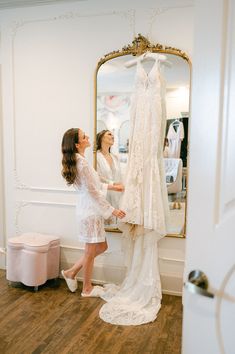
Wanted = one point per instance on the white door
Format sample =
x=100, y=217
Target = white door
x=209, y=323
x=2, y=243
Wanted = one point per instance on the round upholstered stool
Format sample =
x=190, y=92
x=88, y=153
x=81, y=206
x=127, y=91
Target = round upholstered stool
x=33, y=258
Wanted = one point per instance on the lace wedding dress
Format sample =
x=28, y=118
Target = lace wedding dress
x=138, y=299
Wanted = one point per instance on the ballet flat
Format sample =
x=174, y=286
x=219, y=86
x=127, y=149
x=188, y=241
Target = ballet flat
x=71, y=283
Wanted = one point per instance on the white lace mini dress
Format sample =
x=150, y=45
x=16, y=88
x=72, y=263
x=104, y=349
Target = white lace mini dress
x=91, y=207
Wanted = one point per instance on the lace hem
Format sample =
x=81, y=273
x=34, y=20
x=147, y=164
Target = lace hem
x=127, y=315
x=138, y=299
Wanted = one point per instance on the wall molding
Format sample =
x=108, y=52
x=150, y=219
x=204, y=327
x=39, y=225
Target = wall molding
x=167, y=259
x=164, y=259
x=2, y=261
x=152, y=18
x=23, y=203
x=172, y=284
x=11, y=4
x=128, y=15
x=154, y=13
x=21, y=186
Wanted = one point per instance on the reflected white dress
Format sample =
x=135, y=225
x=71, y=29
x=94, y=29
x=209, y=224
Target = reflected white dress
x=91, y=207
x=110, y=174
x=175, y=136
x=145, y=201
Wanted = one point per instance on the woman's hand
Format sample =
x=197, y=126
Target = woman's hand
x=119, y=213
x=118, y=187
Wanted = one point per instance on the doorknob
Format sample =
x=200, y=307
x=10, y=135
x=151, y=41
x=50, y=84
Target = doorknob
x=198, y=283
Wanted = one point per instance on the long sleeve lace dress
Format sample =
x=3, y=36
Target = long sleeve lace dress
x=110, y=174
x=91, y=207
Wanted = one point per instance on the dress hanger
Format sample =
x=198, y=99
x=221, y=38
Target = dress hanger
x=148, y=55
x=176, y=122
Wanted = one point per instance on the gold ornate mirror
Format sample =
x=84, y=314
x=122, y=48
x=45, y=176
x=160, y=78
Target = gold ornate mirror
x=114, y=79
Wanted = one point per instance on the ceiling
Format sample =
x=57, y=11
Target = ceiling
x=8, y=4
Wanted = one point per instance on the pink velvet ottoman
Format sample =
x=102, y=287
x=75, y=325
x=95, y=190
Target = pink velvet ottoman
x=33, y=258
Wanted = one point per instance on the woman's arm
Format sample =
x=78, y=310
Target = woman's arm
x=117, y=187
x=105, y=208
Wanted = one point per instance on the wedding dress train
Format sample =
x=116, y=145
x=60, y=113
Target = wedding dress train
x=138, y=299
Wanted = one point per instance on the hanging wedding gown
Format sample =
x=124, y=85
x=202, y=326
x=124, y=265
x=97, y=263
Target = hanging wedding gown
x=138, y=299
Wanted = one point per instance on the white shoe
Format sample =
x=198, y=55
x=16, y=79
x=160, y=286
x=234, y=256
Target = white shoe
x=71, y=283
x=97, y=291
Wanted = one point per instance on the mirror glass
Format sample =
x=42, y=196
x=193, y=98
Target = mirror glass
x=114, y=92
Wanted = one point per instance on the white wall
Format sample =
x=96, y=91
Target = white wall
x=49, y=55
x=2, y=219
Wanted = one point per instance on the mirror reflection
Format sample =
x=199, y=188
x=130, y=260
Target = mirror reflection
x=115, y=85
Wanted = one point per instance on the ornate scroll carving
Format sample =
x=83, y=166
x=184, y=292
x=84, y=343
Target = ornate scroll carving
x=140, y=45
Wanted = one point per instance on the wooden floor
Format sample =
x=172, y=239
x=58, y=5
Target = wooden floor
x=55, y=321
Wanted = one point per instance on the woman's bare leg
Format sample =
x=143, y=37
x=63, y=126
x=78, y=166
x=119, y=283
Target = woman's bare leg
x=88, y=262
x=72, y=272
x=101, y=247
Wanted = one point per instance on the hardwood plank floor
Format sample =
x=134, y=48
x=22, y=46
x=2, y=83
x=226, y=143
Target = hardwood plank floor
x=55, y=321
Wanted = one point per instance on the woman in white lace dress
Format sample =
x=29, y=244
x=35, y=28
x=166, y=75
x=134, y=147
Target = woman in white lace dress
x=92, y=208
x=108, y=167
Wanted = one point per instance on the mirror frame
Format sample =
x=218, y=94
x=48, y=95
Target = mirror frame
x=140, y=45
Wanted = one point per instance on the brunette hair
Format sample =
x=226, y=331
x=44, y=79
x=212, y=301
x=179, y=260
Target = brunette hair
x=99, y=137
x=69, y=150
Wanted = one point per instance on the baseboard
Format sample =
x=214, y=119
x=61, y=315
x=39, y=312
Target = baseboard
x=106, y=273
x=103, y=273
x=172, y=284
x=2, y=260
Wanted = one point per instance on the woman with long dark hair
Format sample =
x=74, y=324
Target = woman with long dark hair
x=108, y=165
x=92, y=208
